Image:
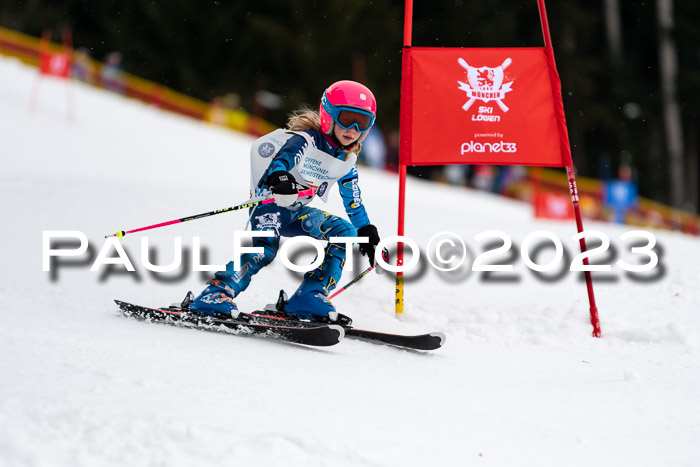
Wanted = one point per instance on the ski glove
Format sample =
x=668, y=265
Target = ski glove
x=367, y=249
x=284, y=188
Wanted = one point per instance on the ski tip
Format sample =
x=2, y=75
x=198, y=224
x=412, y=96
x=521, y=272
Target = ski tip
x=441, y=336
x=341, y=331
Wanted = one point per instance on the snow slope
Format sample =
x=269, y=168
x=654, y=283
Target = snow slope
x=520, y=381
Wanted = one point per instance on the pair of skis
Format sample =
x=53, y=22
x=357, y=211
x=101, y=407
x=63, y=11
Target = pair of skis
x=274, y=326
x=260, y=323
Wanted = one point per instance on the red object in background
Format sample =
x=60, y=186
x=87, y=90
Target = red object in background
x=55, y=63
x=552, y=205
x=495, y=106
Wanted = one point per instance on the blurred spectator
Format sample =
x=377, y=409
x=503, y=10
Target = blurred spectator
x=82, y=69
x=374, y=149
x=226, y=111
x=391, y=161
x=236, y=118
x=508, y=175
x=511, y=180
x=217, y=112
x=111, y=76
x=484, y=176
x=620, y=197
x=456, y=174
x=232, y=101
x=264, y=101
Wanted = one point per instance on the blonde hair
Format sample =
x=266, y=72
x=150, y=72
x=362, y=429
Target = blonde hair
x=304, y=119
x=308, y=119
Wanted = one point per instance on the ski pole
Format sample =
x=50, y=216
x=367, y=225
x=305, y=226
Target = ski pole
x=360, y=276
x=249, y=204
x=385, y=257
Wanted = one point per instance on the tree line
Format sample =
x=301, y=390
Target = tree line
x=630, y=70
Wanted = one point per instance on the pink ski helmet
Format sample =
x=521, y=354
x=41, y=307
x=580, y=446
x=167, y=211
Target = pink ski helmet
x=348, y=104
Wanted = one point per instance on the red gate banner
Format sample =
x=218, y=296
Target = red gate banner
x=499, y=106
x=55, y=64
x=552, y=205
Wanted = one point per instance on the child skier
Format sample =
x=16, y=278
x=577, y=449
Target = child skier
x=317, y=150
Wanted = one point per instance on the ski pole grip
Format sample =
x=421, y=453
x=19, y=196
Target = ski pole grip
x=301, y=194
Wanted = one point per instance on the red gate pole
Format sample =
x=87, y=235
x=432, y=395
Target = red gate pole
x=404, y=146
x=67, y=40
x=573, y=189
x=43, y=50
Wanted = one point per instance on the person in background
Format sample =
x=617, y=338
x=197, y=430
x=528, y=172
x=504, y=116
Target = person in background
x=111, y=76
x=374, y=149
x=81, y=68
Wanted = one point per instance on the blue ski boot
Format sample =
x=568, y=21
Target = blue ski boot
x=215, y=301
x=310, y=301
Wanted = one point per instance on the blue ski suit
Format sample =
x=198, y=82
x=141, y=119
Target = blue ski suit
x=300, y=219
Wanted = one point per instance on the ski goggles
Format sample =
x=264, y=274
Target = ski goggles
x=359, y=119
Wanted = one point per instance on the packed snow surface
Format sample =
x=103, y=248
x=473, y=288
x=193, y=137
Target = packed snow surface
x=520, y=381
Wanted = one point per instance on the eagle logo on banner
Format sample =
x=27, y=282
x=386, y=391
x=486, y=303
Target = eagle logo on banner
x=485, y=84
